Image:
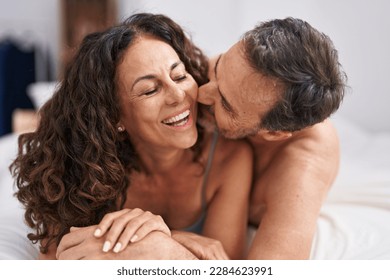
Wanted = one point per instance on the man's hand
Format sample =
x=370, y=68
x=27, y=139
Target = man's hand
x=203, y=248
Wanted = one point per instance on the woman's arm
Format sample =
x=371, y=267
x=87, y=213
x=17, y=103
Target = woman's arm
x=81, y=243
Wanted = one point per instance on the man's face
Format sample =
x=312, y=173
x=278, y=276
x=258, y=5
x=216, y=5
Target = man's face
x=237, y=95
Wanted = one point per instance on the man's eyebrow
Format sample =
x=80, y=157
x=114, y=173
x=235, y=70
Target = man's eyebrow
x=151, y=76
x=225, y=103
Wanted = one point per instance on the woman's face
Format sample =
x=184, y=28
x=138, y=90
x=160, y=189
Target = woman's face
x=157, y=95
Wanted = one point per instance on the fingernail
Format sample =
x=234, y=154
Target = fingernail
x=117, y=247
x=134, y=238
x=97, y=232
x=106, y=246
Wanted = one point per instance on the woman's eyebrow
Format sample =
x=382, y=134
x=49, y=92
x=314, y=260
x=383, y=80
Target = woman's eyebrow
x=174, y=65
x=146, y=77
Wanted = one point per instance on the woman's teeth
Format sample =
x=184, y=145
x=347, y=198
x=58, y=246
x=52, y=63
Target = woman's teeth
x=178, y=120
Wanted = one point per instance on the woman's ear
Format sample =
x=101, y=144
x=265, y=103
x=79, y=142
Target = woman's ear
x=275, y=135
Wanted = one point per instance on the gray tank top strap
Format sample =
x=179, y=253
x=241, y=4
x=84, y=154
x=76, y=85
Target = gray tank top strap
x=208, y=167
x=197, y=227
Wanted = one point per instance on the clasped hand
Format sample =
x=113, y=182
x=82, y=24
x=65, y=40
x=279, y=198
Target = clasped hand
x=119, y=228
x=128, y=225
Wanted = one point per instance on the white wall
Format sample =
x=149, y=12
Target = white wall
x=360, y=31
x=36, y=22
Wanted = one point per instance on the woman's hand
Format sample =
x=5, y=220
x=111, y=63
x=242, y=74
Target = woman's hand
x=128, y=225
x=80, y=244
x=204, y=248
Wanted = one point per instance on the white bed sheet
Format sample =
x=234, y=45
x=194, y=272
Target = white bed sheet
x=354, y=222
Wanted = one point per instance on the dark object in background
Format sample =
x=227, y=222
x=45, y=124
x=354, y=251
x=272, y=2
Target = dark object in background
x=17, y=71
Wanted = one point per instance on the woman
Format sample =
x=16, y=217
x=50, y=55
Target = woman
x=118, y=145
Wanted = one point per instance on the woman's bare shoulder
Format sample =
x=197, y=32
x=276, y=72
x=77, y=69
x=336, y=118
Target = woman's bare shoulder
x=228, y=150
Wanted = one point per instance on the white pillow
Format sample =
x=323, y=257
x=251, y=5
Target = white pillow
x=41, y=92
x=14, y=244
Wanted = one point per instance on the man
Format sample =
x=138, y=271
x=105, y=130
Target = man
x=276, y=87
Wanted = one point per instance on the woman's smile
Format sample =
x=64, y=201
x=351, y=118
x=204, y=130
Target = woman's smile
x=181, y=120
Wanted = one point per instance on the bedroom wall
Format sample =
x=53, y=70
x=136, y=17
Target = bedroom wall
x=37, y=23
x=359, y=29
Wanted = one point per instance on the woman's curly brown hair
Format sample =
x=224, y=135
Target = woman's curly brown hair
x=75, y=167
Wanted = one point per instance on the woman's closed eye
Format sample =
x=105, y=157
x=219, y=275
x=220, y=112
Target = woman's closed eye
x=150, y=92
x=180, y=78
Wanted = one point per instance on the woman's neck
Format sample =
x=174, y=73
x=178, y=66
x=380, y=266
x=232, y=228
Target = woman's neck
x=164, y=160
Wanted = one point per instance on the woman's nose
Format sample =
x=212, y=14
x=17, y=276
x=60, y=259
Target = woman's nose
x=175, y=94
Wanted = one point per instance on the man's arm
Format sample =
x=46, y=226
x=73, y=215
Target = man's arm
x=293, y=188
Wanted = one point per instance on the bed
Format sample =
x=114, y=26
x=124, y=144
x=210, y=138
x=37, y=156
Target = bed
x=354, y=222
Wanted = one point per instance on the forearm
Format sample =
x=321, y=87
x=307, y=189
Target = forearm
x=203, y=248
x=281, y=244
x=286, y=229
x=82, y=244
x=156, y=246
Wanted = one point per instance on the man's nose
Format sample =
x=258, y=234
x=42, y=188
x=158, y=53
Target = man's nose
x=205, y=95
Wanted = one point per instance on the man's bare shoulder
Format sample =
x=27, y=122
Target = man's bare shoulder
x=321, y=139
x=318, y=139
x=305, y=165
x=309, y=155
x=324, y=131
